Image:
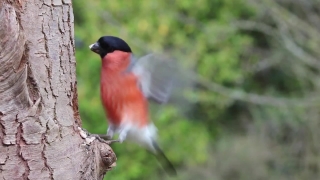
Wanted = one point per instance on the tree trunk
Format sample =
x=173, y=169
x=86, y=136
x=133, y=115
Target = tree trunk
x=39, y=119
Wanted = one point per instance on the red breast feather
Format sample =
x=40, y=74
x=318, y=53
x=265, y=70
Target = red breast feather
x=121, y=97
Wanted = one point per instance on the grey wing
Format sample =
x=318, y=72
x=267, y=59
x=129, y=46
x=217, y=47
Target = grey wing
x=156, y=75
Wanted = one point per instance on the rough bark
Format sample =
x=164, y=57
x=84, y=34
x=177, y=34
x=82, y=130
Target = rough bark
x=39, y=119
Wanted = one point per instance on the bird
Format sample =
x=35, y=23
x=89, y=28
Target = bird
x=127, y=85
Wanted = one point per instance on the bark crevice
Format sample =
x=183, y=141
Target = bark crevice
x=39, y=117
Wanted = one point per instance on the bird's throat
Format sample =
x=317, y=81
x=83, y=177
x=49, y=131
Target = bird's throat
x=116, y=62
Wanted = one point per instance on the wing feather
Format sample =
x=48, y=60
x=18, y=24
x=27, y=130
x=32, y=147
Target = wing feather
x=156, y=76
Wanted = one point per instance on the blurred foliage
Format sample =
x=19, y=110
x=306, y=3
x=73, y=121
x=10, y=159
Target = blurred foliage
x=257, y=68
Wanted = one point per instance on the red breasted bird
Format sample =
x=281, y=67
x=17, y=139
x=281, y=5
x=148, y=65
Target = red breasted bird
x=126, y=85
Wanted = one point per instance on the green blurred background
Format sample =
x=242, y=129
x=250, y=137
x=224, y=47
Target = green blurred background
x=256, y=115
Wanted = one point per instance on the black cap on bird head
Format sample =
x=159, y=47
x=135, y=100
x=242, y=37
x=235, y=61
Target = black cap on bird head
x=108, y=44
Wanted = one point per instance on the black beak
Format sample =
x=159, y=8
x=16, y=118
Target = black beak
x=95, y=48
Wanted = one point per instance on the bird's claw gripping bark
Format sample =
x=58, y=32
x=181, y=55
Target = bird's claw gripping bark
x=113, y=141
x=107, y=138
x=91, y=137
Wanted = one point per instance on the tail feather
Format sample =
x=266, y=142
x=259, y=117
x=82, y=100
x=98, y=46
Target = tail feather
x=164, y=161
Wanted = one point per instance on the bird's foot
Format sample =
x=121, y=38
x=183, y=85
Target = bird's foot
x=107, y=138
x=113, y=141
x=91, y=137
x=104, y=138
